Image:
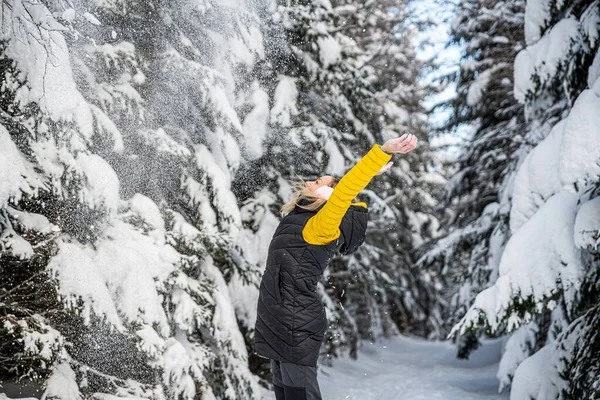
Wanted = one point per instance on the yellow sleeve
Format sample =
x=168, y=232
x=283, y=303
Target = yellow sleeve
x=324, y=227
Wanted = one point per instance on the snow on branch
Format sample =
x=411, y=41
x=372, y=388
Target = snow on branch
x=537, y=258
x=36, y=44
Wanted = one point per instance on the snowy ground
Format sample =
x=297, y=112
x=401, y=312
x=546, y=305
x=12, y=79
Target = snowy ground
x=405, y=368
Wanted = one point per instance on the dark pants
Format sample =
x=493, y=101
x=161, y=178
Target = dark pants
x=295, y=382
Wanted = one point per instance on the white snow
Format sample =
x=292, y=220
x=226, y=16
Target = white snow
x=186, y=313
x=533, y=377
x=15, y=245
x=40, y=51
x=186, y=231
x=210, y=82
x=594, y=71
x=330, y=51
x=311, y=65
x=537, y=256
x=337, y=163
x=108, y=128
x=184, y=361
x=102, y=182
x=199, y=201
x=224, y=316
x=478, y=87
x=79, y=278
x=580, y=150
x=18, y=175
x=254, y=38
x=123, y=272
x=569, y=155
x=244, y=298
x=150, y=342
x=91, y=18
x=324, y=3
x=590, y=25
x=53, y=160
x=255, y=244
x=403, y=368
x=394, y=111
x=587, y=225
x=537, y=179
x=239, y=46
x=133, y=266
x=226, y=329
x=537, y=15
x=42, y=342
x=284, y=103
x=256, y=122
x=40, y=15
x=497, y=245
x=69, y=15
x=256, y=241
x=285, y=189
x=62, y=384
x=225, y=150
x=146, y=209
x=130, y=276
x=542, y=58
x=501, y=40
x=161, y=142
x=221, y=184
x=518, y=347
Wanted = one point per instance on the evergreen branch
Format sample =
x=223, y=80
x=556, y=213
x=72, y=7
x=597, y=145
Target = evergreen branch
x=45, y=241
x=110, y=378
x=3, y=295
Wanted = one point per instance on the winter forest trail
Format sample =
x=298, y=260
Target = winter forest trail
x=404, y=368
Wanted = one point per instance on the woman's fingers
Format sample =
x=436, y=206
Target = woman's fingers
x=403, y=144
x=413, y=143
x=404, y=139
x=408, y=145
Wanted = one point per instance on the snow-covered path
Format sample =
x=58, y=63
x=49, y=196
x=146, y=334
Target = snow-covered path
x=412, y=369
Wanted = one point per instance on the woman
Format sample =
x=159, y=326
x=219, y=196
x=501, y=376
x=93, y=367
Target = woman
x=291, y=320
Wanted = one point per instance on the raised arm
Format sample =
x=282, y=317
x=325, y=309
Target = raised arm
x=324, y=227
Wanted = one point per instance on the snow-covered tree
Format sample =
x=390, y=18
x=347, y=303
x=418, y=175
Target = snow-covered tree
x=118, y=226
x=546, y=293
x=477, y=198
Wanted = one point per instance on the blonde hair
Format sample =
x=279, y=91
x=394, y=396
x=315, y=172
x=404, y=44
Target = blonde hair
x=299, y=194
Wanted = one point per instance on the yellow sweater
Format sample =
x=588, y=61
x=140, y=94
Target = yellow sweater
x=324, y=227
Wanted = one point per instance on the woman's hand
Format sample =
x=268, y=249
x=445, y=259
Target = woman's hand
x=402, y=145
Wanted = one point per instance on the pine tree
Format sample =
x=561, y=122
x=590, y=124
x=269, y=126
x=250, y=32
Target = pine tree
x=120, y=211
x=29, y=344
x=478, y=193
x=548, y=273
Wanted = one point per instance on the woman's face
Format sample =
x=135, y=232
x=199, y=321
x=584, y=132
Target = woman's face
x=311, y=186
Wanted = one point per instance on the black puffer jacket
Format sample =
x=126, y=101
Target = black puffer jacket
x=291, y=320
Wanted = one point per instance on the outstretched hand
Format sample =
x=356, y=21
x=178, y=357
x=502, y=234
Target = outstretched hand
x=402, y=145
